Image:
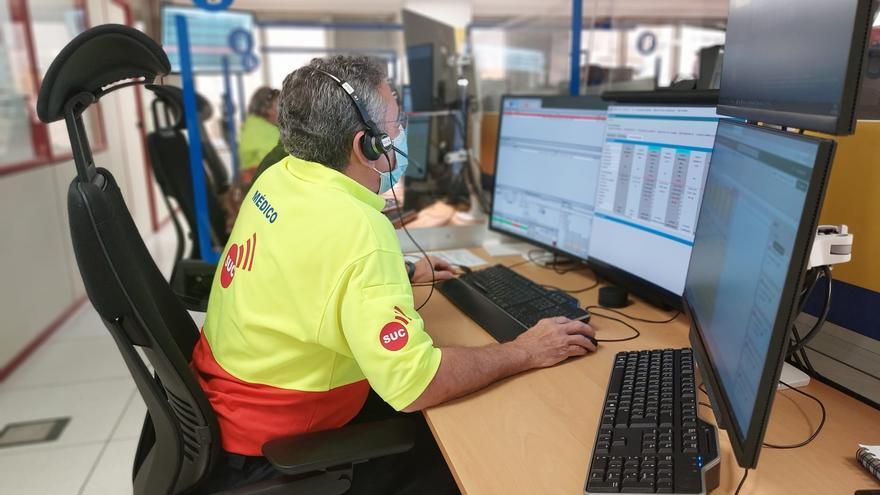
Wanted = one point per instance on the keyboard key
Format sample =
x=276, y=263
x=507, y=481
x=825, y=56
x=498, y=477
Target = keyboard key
x=604, y=487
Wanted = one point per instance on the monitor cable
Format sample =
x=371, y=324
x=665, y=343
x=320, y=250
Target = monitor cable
x=742, y=481
x=403, y=226
x=608, y=317
x=809, y=439
x=798, y=343
x=636, y=318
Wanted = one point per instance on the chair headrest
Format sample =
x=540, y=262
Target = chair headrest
x=173, y=97
x=95, y=59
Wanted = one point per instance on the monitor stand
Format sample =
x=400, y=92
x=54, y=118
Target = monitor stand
x=792, y=376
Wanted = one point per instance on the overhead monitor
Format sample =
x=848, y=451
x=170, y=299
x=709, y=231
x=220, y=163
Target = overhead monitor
x=755, y=231
x=795, y=62
x=654, y=162
x=208, y=37
x=430, y=50
x=546, y=168
x=418, y=139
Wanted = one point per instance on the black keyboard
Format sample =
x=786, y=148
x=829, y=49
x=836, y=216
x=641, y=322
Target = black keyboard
x=650, y=439
x=505, y=303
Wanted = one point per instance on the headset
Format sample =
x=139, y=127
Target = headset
x=374, y=144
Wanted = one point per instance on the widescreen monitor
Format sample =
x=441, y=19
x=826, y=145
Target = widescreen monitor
x=546, y=169
x=756, y=227
x=654, y=163
x=795, y=63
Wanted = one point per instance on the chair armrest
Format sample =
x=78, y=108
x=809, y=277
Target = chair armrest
x=191, y=282
x=350, y=444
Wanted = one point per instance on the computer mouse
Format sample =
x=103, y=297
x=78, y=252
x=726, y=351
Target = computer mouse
x=593, y=340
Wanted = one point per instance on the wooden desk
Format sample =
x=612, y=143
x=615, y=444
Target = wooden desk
x=533, y=433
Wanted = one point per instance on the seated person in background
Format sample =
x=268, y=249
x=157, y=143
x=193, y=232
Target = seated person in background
x=259, y=133
x=311, y=322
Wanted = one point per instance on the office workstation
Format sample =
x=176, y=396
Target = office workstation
x=442, y=248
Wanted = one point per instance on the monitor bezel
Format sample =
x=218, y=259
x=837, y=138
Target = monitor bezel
x=643, y=288
x=560, y=101
x=845, y=122
x=747, y=445
x=191, y=8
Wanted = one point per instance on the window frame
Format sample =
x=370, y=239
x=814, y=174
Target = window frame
x=19, y=12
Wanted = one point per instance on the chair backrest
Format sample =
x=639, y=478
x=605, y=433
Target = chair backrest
x=168, y=149
x=180, y=441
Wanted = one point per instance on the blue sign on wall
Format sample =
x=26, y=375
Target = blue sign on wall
x=213, y=5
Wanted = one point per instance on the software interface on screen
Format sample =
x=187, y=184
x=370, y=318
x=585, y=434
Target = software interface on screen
x=208, y=37
x=545, y=180
x=752, y=207
x=651, y=177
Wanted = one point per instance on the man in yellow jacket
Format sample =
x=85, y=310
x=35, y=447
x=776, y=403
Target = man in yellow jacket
x=311, y=322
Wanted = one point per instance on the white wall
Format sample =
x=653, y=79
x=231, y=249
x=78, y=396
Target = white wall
x=40, y=279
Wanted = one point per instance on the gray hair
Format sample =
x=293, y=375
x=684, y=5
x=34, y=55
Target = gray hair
x=262, y=101
x=317, y=119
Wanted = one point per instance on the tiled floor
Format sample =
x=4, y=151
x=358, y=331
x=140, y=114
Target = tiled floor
x=78, y=373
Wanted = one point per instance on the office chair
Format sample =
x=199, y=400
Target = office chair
x=180, y=440
x=168, y=149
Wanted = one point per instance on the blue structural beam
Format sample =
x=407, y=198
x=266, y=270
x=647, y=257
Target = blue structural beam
x=230, y=122
x=206, y=247
x=577, y=22
x=354, y=26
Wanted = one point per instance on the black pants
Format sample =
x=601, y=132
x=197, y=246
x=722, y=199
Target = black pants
x=421, y=471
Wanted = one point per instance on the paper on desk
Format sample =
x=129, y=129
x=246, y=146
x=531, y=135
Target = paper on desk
x=874, y=450
x=453, y=257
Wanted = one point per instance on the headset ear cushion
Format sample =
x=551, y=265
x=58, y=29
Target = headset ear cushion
x=368, y=147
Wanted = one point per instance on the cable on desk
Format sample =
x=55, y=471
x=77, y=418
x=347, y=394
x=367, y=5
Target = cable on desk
x=814, y=434
x=635, y=318
x=742, y=481
x=812, y=437
x=571, y=291
x=634, y=329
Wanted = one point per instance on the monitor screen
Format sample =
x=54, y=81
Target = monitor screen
x=794, y=62
x=418, y=137
x=420, y=61
x=756, y=224
x=546, y=169
x=208, y=37
x=654, y=164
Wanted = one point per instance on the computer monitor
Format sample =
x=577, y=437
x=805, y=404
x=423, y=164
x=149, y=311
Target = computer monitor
x=420, y=61
x=418, y=139
x=546, y=168
x=795, y=62
x=754, y=235
x=654, y=163
x=208, y=36
x=430, y=47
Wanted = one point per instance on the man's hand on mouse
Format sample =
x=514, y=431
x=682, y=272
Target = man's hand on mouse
x=555, y=339
x=442, y=270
